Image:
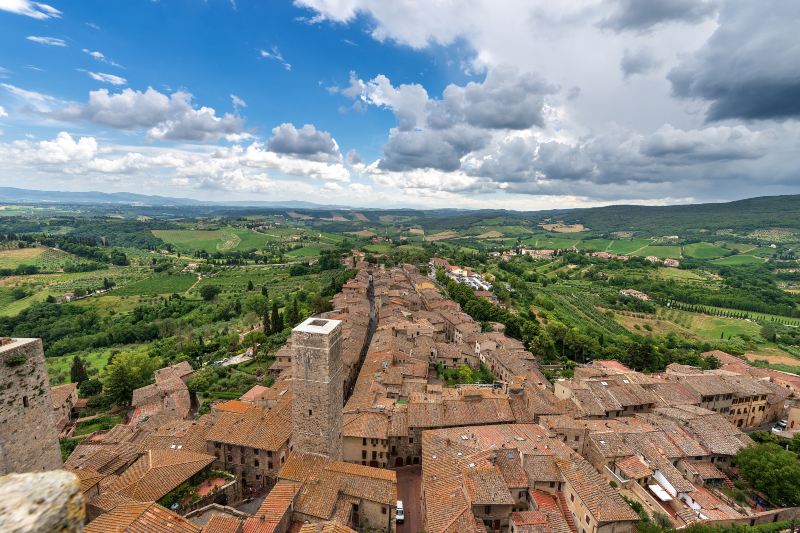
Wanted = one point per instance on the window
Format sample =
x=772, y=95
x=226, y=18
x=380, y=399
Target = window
x=269, y=465
x=256, y=463
x=587, y=518
x=230, y=459
x=364, y=441
x=577, y=437
x=411, y=440
x=552, y=484
x=25, y=401
x=572, y=497
x=488, y=509
x=255, y=451
x=258, y=476
x=216, y=445
x=383, y=510
x=269, y=453
x=309, y=412
x=363, y=454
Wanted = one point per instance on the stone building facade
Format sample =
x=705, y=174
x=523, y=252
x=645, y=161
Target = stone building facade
x=28, y=435
x=317, y=387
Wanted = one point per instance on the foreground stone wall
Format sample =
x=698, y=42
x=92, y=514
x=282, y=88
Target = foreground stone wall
x=41, y=502
x=28, y=435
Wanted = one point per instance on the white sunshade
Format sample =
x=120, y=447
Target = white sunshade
x=660, y=492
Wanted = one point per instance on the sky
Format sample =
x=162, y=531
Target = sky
x=516, y=104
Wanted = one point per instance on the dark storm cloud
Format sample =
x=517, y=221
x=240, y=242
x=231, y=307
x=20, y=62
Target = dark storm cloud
x=507, y=99
x=438, y=149
x=748, y=69
x=307, y=142
x=639, y=61
x=643, y=15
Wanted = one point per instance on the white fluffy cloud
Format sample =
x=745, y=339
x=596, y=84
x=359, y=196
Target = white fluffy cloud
x=164, y=116
x=107, y=78
x=226, y=168
x=307, y=143
x=3, y=112
x=100, y=56
x=36, y=10
x=48, y=41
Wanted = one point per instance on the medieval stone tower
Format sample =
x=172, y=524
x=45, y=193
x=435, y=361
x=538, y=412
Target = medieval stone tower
x=28, y=436
x=317, y=389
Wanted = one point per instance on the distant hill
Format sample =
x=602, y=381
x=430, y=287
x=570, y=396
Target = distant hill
x=752, y=213
x=15, y=195
x=741, y=215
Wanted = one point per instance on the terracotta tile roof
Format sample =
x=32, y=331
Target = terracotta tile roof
x=547, y=505
x=232, y=406
x=706, y=470
x=174, y=434
x=254, y=394
x=105, y=459
x=605, y=503
x=326, y=527
x=323, y=481
x=60, y=393
x=633, y=467
x=277, y=503
x=140, y=518
x=88, y=478
x=223, y=524
x=459, y=412
x=486, y=486
x=541, y=468
x=257, y=427
x=159, y=471
x=447, y=509
x=366, y=425
x=178, y=370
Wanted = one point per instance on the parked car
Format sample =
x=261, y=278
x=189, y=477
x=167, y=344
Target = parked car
x=400, y=515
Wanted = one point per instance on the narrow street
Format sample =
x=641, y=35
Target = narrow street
x=409, y=490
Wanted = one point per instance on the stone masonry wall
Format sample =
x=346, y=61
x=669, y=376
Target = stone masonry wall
x=28, y=436
x=317, y=389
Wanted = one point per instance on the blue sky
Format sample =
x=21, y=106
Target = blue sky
x=509, y=103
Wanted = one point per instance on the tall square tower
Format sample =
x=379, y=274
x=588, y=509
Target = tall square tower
x=28, y=435
x=317, y=387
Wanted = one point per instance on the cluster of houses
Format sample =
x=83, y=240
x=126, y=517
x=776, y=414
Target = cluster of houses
x=474, y=280
x=356, y=397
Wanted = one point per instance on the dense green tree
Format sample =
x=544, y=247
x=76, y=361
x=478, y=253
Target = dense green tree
x=209, y=292
x=258, y=304
x=773, y=471
x=77, y=372
x=277, y=320
x=292, y=313
x=128, y=371
x=90, y=387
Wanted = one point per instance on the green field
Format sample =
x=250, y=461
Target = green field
x=158, y=284
x=662, y=252
x=45, y=258
x=95, y=360
x=190, y=239
x=548, y=242
x=594, y=245
x=306, y=252
x=678, y=274
x=627, y=246
x=738, y=260
x=703, y=250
